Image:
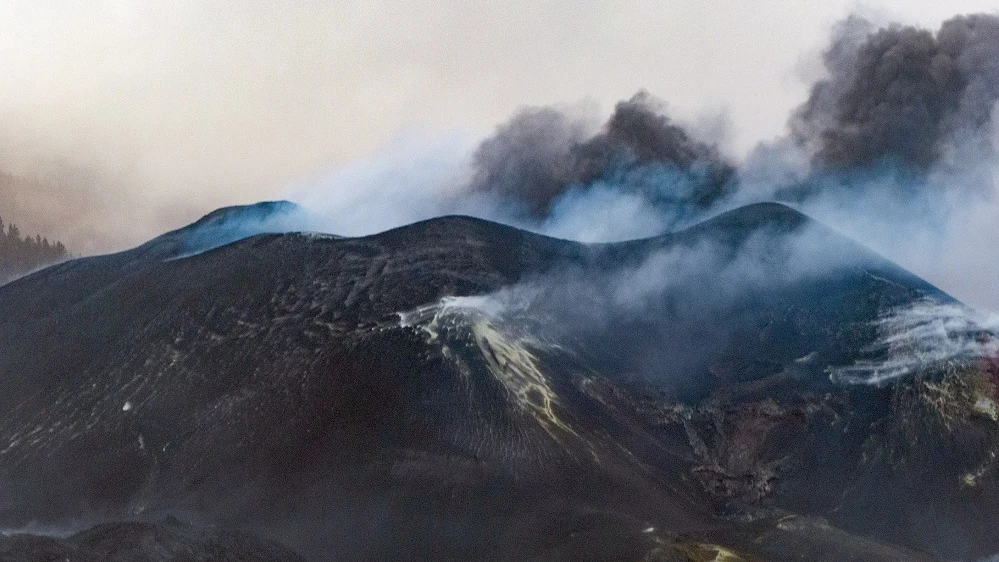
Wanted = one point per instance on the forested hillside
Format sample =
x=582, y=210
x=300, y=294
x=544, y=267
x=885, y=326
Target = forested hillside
x=23, y=253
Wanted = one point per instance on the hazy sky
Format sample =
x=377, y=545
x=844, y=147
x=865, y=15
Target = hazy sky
x=179, y=107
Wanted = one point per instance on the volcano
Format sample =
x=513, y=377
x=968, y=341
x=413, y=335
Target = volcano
x=460, y=389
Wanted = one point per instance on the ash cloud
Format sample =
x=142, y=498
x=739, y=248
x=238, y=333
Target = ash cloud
x=543, y=154
x=904, y=96
x=529, y=158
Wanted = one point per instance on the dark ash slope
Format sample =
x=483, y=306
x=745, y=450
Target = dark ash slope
x=269, y=385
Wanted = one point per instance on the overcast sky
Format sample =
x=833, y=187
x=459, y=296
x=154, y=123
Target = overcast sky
x=179, y=107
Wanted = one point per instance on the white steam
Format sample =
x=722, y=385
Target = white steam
x=923, y=336
x=411, y=179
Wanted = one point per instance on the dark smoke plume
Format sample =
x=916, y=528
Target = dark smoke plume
x=904, y=97
x=529, y=157
x=541, y=154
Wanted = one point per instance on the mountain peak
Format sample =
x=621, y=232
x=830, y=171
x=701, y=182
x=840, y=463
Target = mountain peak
x=754, y=216
x=230, y=224
x=261, y=211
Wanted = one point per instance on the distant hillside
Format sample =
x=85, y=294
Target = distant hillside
x=20, y=254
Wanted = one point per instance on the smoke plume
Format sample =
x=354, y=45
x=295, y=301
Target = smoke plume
x=904, y=96
x=542, y=154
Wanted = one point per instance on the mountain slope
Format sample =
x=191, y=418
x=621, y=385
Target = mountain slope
x=344, y=396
